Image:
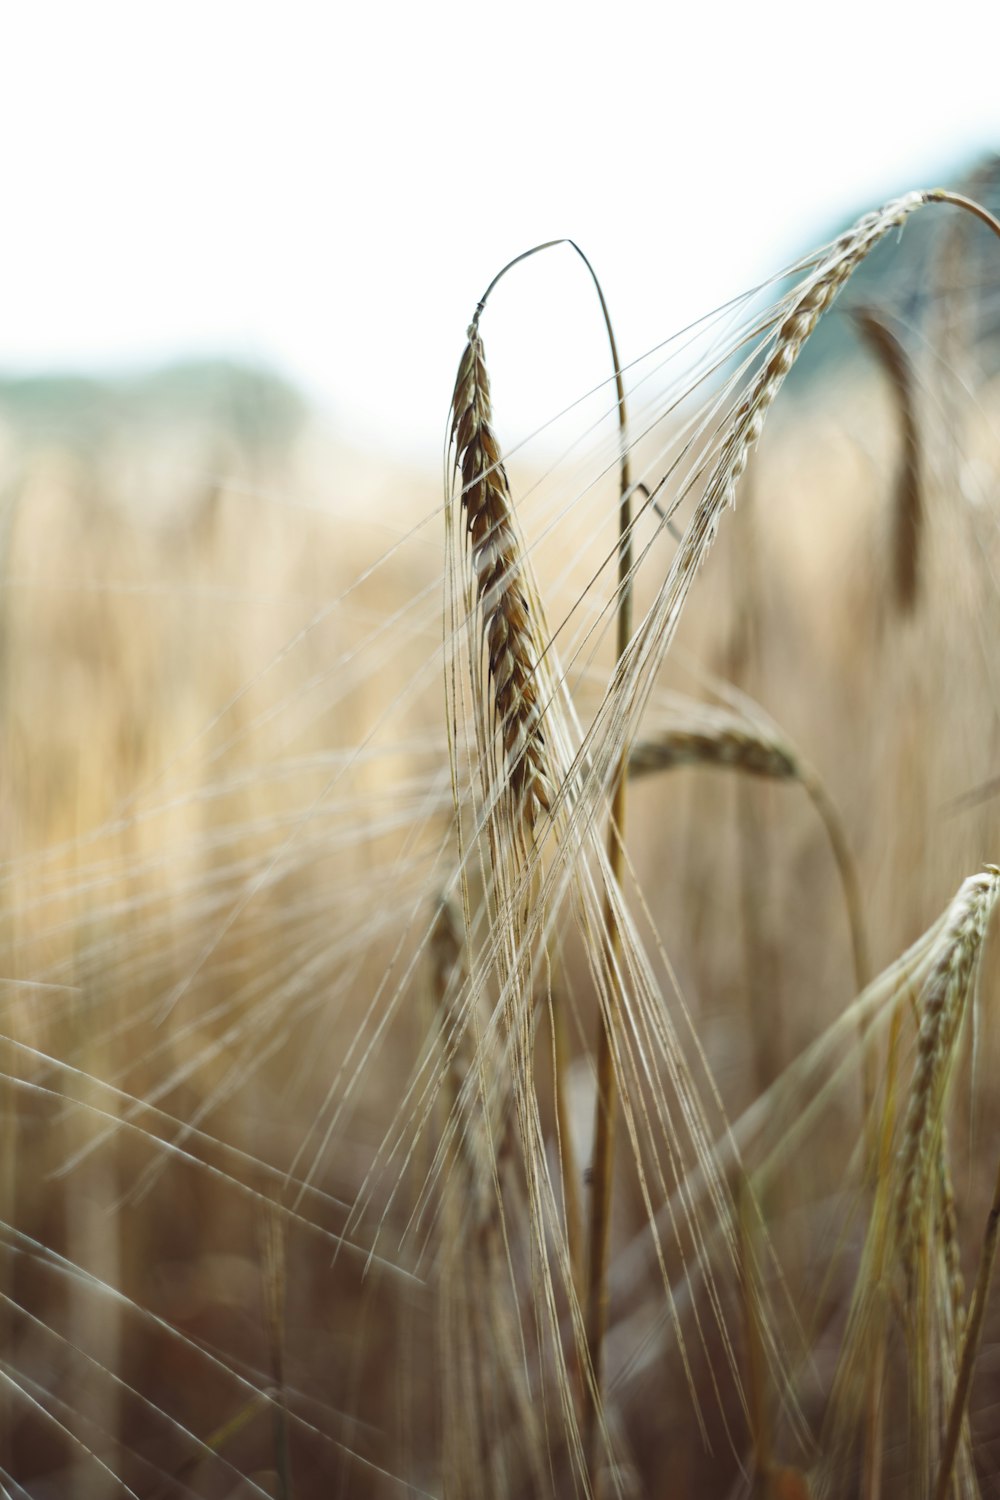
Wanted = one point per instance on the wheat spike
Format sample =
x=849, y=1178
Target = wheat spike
x=714, y=737
x=501, y=595
x=942, y=1006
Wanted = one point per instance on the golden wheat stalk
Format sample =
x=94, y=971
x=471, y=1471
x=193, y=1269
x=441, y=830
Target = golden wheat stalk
x=502, y=598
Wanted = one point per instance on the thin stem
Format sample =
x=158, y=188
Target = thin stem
x=943, y=195
x=760, y=1429
x=874, y=1410
x=606, y=1106
x=851, y=887
x=625, y=481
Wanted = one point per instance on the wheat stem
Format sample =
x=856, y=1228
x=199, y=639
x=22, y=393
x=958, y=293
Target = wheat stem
x=958, y=200
x=605, y=1108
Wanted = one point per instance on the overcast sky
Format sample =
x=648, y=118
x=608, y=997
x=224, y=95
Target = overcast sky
x=331, y=186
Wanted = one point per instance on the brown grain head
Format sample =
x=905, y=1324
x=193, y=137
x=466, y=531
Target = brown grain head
x=505, y=611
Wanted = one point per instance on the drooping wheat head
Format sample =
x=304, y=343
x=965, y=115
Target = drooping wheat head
x=707, y=735
x=714, y=738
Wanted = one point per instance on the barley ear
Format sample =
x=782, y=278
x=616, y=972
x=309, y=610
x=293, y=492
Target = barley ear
x=943, y=1001
x=501, y=596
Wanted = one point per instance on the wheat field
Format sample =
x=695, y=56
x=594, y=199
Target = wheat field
x=498, y=985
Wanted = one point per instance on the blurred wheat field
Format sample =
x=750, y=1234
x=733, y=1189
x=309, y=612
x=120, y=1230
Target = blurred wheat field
x=299, y=1036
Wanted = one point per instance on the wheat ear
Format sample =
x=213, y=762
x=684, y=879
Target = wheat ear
x=942, y=1005
x=501, y=595
x=714, y=738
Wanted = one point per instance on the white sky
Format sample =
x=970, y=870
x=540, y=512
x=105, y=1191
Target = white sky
x=331, y=186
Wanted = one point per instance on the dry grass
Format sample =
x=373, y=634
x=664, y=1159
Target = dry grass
x=303, y=974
